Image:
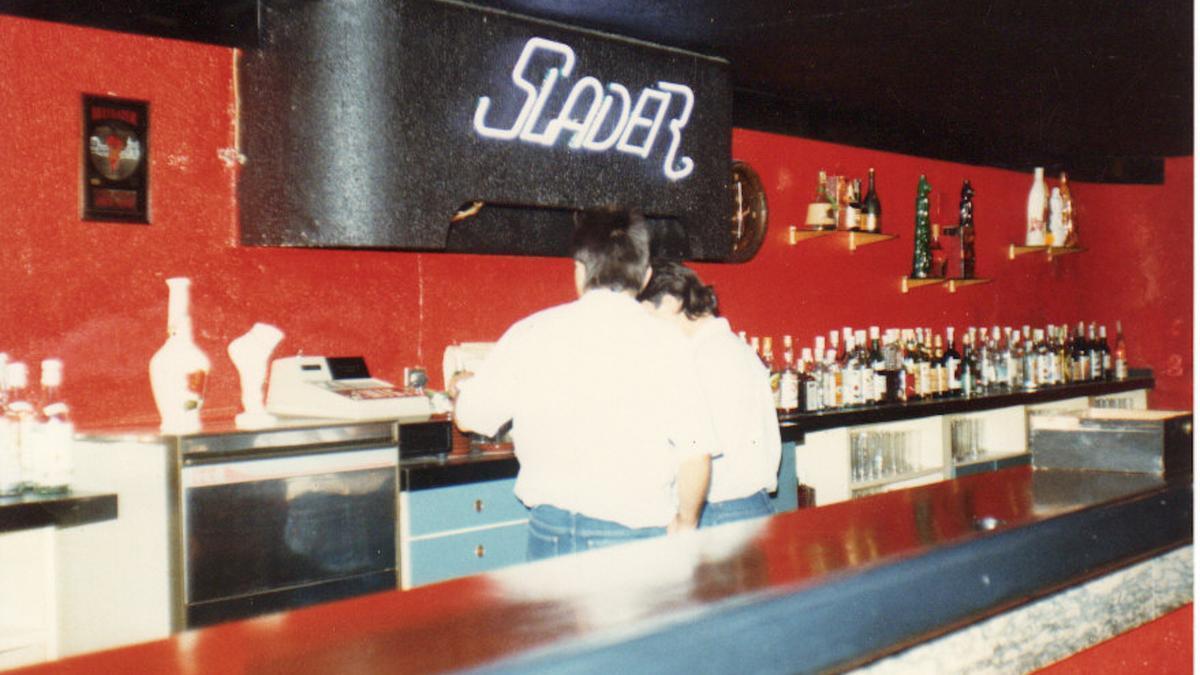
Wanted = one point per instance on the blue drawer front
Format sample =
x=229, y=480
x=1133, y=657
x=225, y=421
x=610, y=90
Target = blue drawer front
x=460, y=555
x=463, y=506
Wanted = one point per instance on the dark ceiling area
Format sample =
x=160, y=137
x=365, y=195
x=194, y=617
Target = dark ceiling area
x=1100, y=88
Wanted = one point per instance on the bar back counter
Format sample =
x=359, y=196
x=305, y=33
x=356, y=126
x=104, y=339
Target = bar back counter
x=924, y=549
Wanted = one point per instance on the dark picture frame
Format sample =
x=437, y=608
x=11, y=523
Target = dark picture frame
x=116, y=157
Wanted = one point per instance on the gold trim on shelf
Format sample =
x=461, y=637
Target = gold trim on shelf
x=912, y=282
x=799, y=234
x=952, y=284
x=1051, y=252
x=854, y=238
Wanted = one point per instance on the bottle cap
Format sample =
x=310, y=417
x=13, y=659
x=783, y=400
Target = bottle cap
x=52, y=372
x=16, y=375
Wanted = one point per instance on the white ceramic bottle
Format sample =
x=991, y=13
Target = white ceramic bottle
x=179, y=369
x=1035, y=211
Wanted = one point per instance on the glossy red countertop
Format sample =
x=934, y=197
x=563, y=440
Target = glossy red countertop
x=603, y=593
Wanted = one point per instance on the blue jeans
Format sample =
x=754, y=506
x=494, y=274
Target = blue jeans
x=756, y=505
x=554, y=532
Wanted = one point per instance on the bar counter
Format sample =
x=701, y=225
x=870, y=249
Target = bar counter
x=817, y=589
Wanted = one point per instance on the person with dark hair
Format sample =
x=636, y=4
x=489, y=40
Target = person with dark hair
x=737, y=388
x=607, y=422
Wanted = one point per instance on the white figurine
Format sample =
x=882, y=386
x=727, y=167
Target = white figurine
x=250, y=354
x=1058, y=229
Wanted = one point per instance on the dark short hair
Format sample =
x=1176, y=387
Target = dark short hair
x=614, y=247
x=671, y=278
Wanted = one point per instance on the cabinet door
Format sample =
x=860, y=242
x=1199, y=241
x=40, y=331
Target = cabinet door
x=458, y=555
x=460, y=507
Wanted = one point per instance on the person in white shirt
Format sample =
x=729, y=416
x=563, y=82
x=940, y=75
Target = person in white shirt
x=738, y=390
x=612, y=437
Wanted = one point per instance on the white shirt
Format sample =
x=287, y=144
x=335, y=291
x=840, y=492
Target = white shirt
x=738, y=389
x=604, y=403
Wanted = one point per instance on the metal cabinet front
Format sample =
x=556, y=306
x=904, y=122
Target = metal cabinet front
x=267, y=534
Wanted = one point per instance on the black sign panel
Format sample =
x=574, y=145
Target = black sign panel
x=374, y=123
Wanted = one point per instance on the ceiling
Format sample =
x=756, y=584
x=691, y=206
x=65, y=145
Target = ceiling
x=1101, y=88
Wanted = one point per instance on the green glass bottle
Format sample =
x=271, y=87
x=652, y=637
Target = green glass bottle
x=921, y=256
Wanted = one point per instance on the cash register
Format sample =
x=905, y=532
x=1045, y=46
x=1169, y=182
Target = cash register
x=339, y=387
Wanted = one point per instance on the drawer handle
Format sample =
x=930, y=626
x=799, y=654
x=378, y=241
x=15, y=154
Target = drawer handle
x=479, y=551
x=478, y=506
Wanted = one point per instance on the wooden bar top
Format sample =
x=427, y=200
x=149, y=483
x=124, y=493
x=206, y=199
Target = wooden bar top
x=822, y=587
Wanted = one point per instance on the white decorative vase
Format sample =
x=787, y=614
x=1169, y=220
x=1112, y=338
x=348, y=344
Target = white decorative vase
x=179, y=369
x=250, y=354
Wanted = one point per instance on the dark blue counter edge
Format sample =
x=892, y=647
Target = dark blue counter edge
x=434, y=474
x=854, y=618
x=793, y=426
x=68, y=510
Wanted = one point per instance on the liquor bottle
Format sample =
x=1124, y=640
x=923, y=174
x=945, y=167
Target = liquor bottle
x=921, y=261
x=893, y=366
x=1080, y=365
x=19, y=413
x=937, y=254
x=878, y=367
x=1043, y=356
x=768, y=360
x=952, y=358
x=810, y=382
x=1064, y=352
x=984, y=356
x=834, y=340
x=1106, y=367
x=1052, y=347
x=1015, y=357
x=967, y=368
x=966, y=231
x=1035, y=210
x=922, y=368
x=829, y=222
x=1095, y=355
x=1068, y=211
x=872, y=210
x=55, y=434
x=1120, y=357
x=941, y=374
x=908, y=359
x=851, y=365
x=789, y=378
x=853, y=207
x=999, y=359
x=832, y=387
x=10, y=449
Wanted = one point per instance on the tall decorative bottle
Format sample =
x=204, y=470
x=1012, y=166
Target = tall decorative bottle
x=1035, y=210
x=921, y=258
x=178, y=370
x=966, y=231
x=1068, y=211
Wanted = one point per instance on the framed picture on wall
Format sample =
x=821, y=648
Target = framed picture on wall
x=116, y=154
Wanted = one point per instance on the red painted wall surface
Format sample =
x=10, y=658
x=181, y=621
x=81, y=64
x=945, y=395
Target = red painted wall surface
x=93, y=293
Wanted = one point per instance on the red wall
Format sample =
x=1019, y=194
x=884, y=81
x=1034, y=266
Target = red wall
x=93, y=293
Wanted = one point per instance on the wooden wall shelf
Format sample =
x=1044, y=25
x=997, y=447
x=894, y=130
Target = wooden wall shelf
x=952, y=284
x=1051, y=252
x=854, y=239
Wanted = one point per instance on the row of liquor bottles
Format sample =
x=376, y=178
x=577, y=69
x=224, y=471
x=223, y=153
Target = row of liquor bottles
x=36, y=432
x=865, y=367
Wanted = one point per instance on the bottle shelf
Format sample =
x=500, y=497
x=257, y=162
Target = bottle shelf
x=1051, y=252
x=854, y=239
x=952, y=283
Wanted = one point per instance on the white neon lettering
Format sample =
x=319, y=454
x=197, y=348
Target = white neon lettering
x=676, y=127
x=634, y=128
x=531, y=92
x=589, y=139
x=639, y=120
x=565, y=119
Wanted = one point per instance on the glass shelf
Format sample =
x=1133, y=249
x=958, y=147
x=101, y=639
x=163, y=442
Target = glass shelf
x=1051, y=252
x=952, y=283
x=854, y=239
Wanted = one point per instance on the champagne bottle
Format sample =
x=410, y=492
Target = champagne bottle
x=878, y=367
x=872, y=210
x=952, y=358
x=1106, y=368
x=921, y=260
